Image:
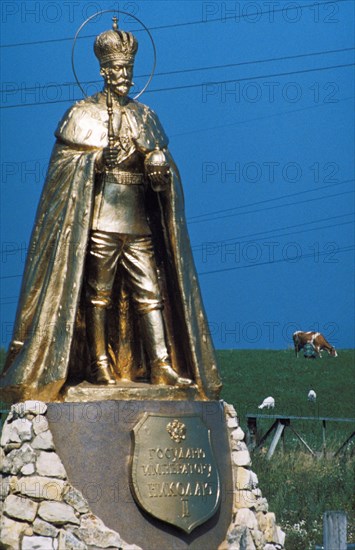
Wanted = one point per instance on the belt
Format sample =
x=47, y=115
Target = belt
x=123, y=178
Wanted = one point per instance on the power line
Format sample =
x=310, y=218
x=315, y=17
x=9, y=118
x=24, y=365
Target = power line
x=291, y=111
x=233, y=240
x=346, y=249
x=239, y=64
x=285, y=228
x=210, y=216
x=263, y=233
x=194, y=69
x=200, y=247
x=218, y=243
x=10, y=276
x=269, y=200
x=311, y=255
x=176, y=25
x=273, y=207
x=206, y=129
x=190, y=86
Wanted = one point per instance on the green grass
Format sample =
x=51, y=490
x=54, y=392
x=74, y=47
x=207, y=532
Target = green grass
x=251, y=375
x=298, y=487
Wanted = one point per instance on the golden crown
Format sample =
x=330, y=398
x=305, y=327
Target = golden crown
x=115, y=45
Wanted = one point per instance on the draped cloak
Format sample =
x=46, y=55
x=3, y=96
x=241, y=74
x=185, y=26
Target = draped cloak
x=49, y=344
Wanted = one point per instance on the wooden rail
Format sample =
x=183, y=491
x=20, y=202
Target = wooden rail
x=279, y=425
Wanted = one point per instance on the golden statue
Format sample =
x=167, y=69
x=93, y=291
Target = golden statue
x=110, y=293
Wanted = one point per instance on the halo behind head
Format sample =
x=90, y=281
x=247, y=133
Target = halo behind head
x=115, y=25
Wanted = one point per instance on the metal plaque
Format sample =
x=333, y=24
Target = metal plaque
x=174, y=472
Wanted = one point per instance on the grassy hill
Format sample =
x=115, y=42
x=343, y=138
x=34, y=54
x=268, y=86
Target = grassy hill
x=251, y=375
x=298, y=487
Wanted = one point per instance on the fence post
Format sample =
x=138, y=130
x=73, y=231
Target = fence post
x=252, y=432
x=334, y=531
x=324, y=438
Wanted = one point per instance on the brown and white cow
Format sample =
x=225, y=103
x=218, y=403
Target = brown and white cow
x=317, y=341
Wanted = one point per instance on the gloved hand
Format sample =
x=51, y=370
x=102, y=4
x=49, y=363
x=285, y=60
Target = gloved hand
x=159, y=176
x=107, y=158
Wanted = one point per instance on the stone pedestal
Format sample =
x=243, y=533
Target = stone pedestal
x=65, y=478
x=94, y=442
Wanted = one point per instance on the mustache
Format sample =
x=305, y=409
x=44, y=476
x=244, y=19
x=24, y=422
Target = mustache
x=125, y=81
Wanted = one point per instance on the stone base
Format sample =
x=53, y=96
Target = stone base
x=137, y=391
x=94, y=442
x=42, y=509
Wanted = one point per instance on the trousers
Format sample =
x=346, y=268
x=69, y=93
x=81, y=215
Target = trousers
x=135, y=256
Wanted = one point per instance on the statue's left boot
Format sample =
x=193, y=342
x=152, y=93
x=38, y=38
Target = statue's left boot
x=100, y=368
x=100, y=371
x=155, y=345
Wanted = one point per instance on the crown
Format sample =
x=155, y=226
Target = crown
x=115, y=45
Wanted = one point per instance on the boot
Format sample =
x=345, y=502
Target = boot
x=100, y=370
x=155, y=345
x=163, y=373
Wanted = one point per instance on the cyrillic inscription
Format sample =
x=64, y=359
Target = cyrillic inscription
x=174, y=472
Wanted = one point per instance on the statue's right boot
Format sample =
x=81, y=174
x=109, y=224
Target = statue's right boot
x=163, y=373
x=100, y=369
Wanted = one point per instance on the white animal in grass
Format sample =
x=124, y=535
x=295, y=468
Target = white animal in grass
x=312, y=396
x=268, y=403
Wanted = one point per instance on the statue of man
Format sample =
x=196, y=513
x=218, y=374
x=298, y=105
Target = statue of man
x=120, y=231
x=110, y=291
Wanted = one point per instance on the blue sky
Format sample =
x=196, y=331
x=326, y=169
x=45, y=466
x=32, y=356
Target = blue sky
x=258, y=101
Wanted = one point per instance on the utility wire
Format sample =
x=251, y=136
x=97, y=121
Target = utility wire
x=231, y=240
x=10, y=276
x=206, y=129
x=204, y=246
x=273, y=207
x=14, y=300
x=197, y=218
x=189, y=70
x=346, y=249
x=247, y=237
x=200, y=247
x=263, y=233
x=239, y=64
x=190, y=86
x=176, y=25
x=256, y=119
x=297, y=194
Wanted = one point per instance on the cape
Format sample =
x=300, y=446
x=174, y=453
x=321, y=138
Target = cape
x=49, y=346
